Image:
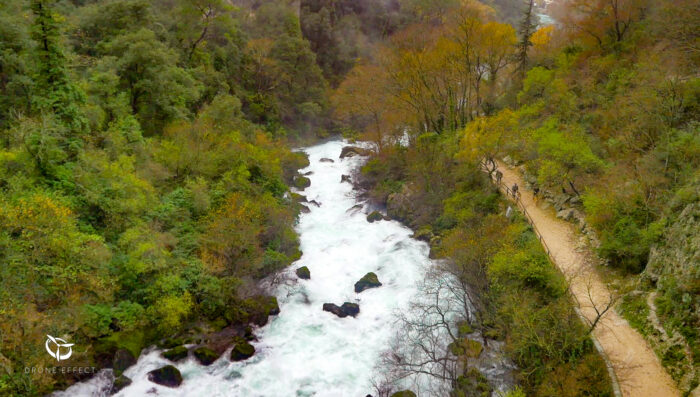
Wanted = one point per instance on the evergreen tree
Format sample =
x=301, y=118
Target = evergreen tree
x=526, y=29
x=54, y=90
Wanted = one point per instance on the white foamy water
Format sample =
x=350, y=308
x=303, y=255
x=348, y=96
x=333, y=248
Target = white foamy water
x=305, y=351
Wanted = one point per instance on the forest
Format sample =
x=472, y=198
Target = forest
x=147, y=155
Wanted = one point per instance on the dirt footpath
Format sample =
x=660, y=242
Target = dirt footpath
x=639, y=372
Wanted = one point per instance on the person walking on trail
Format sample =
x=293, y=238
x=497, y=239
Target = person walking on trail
x=514, y=189
x=499, y=177
x=535, y=191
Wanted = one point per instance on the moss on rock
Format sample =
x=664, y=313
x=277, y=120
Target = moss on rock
x=119, y=383
x=176, y=354
x=167, y=376
x=303, y=273
x=369, y=280
x=242, y=351
x=301, y=182
x=205, y=355
x=374, y=216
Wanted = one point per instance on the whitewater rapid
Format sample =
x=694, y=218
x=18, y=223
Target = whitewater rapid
x=305, y=351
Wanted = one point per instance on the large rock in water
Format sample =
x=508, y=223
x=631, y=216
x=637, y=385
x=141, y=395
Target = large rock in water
x=351, y=309
x=347, y=309
x=205, y=355
x=350, y=151
x=123, y=359
x=175, y=354
x=303, y=273
x=374, y=216
x=167, y=376
x=242, y=351
x=301, y=182
x=119, y=383
x=335, y=309
x=369, y=280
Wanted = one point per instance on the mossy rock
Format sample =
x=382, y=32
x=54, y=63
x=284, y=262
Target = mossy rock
x=369, y=280
x=256, y=310
x=167, y=376
x=464, y=329
x=425, y=233
x=205, y=355
x=271, y=305
x=298, y=198
x=106, y=348
x=350, y=151
x=404, y=393
x=301, y=182
x=123, y=359
x=248, y=333
x=466, y=347
x=472, y=383
x=351, y=309
x=242, y=351
x=303, y=273
x=176, y=354
x=374, y=216
x=119, y=383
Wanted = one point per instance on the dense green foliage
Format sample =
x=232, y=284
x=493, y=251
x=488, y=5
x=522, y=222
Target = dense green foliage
x=598, y=118
x=144, y=168
x=521, y=297
x=137, y=193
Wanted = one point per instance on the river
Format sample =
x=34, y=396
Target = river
x=305, y=351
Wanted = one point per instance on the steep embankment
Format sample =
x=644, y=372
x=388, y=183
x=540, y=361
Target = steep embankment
x=637, y=368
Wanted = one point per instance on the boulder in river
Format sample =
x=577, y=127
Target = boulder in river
x=123, y=359
x=304, y=209
x=301, y=182
x=205, y=355
x=167, y=376
x=374, y=216
x=335, y=309
x=119, y=383
x=242, y=351
x=303, y=273
x=314, y=202
x=369, y=280
x=299, y=198
x=347, y=309
x=176, y=353
x=351, y=309
x=345, y=178
x=350, y=151
x=326, y=160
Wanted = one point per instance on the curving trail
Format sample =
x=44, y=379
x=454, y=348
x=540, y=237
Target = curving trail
x=639, y=372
